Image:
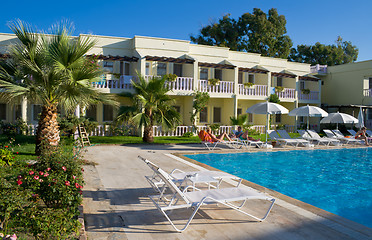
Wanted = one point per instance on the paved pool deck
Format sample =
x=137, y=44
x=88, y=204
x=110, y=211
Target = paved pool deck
x=117, y=206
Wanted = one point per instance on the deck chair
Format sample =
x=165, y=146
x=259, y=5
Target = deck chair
x=352, y=132
x=212, y=145
x=315, y=135
x=282, y=141
x=369, y=133
x=305, y=135
x=283, y=133
x=181, y=178
x=337, y=133
x=178, y=199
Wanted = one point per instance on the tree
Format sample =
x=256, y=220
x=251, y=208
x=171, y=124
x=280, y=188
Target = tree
x=50, y=69
x=152, y=105
x=200, y=102
x=340, y=53
x=256, y=32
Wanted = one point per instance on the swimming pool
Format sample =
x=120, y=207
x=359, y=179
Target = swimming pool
x=337, y=180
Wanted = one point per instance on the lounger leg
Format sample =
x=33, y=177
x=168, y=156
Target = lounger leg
x=188, y=221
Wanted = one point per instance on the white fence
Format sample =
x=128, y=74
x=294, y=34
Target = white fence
x=318, y=69
x=313, y=95
x=288, y=93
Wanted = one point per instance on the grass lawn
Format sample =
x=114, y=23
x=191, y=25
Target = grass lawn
x=138, y=140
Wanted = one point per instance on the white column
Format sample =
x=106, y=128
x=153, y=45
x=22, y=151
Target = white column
x=236, y=79
x=296, y=101
x=77, y=111
x=142, y=66
x=320, y=92
x=196, y=75
x=268, y=83
x=24, y=109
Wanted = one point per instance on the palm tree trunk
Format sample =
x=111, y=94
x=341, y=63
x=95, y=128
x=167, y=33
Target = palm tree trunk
x=48, y=129
x=148, y=134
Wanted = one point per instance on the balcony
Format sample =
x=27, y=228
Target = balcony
x=222, y=87
x=287, y=93
x=318, y=69
x=312, y=96
x=110, y=82
x=367, y=92
x=180, y=84
x=256, y=90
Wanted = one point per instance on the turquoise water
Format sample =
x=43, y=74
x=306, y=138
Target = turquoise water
x=337, y=180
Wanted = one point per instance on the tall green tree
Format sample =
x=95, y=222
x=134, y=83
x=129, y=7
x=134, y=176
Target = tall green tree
x=50, y=69
x=339, y=53
x=151, y=106
x=256, y=32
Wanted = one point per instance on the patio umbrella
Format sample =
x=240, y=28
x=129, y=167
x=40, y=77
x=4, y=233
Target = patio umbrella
x=308, y=111
x=339, y=118
x=360, y=118
x=267, y=108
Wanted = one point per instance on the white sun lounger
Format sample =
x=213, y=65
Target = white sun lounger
x=315, y=135
x=178, y=199
x=341, y=137
x=283, y=133
x=282, y=141
x=182, y=178
x=305, y=135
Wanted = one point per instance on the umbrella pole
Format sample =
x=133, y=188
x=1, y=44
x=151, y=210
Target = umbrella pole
x=307, y=122
x=267, y=125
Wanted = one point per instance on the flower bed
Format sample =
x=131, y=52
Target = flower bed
x=41, y=199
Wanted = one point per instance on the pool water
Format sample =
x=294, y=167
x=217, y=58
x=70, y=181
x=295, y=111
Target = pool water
x=337, y=180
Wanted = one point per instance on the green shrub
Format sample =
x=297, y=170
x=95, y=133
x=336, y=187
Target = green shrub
x=6, y=156
x=188, y=134
x=214, y=127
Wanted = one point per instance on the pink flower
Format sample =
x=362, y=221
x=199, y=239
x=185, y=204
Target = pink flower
x=31, y=172
x=77, y=185
x=19, y=177
x=74, y=177
x=36, y=177
x=67, y=183
x=19, y=182
x=48, y=169
x=82, y=169
x=81, y=192
x=64, y=168
x=41, y=180
x=81, y=187
x=46, y=174
x=41, y=173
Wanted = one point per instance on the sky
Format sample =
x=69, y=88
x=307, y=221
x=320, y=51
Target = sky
x=308, y=22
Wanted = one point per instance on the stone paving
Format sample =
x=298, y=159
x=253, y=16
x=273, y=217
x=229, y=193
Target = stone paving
x=116, y=204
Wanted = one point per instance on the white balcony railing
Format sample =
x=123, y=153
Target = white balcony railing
x=312, y=96
x=256, y=90
x=322, y=69
x=222, y=87
x=180, y=84
x=110, y=82
x=367, y=92
x=287, y=93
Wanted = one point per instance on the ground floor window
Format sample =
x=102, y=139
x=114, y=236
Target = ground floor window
x=203, y=115
x=278, y=118
x=239, y=112
x=91, y=113
x=36, y=110
x=108, y=113
x=250, y=117
x=2, y=111
x=17, y=112
x=217, y=115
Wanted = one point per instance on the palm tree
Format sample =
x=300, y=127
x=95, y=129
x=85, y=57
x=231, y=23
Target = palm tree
x=152, y=105
x=53, y=70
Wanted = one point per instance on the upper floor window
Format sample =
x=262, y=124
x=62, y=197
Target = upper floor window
x=109, y=65
x=302, y=85
x=370, y=83
x=251, y=78
x=2, y=111
x=279, y=81
x=204, y=74
x=161, y=69
x=147, y=68
x=240, y=77
x=218, y=74
x=124, y=68
x=177, y=69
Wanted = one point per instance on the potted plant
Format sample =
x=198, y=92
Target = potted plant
x=116, y=75
x=213, y=81
x=170, y=77
x=248, y=85
x=305, y=91
x=279, y=89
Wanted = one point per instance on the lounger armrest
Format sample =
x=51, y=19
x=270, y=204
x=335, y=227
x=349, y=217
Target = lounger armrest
x=188, y=187
x=176, y=170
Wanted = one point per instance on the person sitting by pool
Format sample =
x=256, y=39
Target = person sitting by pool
x=361, y=134
x=244, y=135
x=219, y=138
